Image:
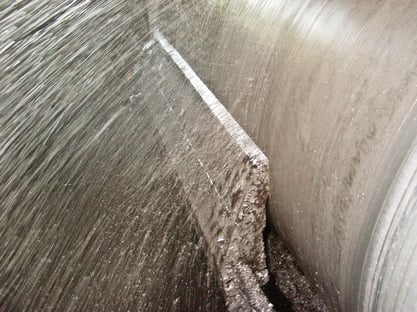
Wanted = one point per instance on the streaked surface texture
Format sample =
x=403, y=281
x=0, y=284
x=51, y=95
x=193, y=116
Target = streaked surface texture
x=93, y=215
x=328, y=90
x=97, y=192
x=125, y=184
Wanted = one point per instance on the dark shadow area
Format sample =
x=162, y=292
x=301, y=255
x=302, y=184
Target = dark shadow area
x=275, y=296
x=288, y=289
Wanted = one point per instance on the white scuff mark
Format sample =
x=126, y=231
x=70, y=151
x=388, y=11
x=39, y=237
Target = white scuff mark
x=148, y=44
x=106, y=125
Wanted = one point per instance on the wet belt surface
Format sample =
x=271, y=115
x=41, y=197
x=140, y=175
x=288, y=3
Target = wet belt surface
x=93, y=214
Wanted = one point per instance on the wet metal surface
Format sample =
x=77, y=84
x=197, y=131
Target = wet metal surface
x=93, y=214
x=125, y=184
x=328, y=90
x=223, y=172
x=110, y=153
